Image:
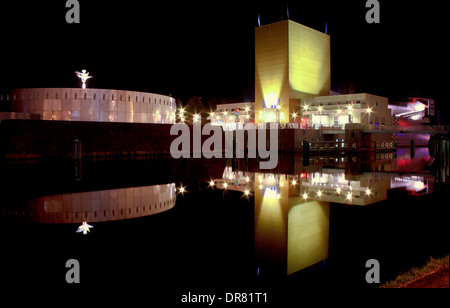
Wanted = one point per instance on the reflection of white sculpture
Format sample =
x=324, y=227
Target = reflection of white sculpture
x=83, y=76
x=84, y=228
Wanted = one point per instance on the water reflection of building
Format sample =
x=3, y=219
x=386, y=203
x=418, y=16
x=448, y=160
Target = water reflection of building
x=288, y=228
x=292, y=211
x=99, y=206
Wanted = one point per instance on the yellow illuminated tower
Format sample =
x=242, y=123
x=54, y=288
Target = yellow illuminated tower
x=292, y=62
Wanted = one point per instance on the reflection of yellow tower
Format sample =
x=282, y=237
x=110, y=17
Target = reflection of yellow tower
x=290, y=233
x=292, y=62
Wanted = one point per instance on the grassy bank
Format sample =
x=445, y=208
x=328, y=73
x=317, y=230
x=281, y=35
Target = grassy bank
x=433, y=265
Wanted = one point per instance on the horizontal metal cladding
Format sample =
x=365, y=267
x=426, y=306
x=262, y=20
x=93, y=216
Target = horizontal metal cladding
x=94, y=105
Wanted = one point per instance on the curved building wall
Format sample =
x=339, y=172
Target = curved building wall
x=95, y=105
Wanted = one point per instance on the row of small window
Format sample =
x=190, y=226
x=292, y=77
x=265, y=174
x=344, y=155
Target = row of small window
x=161, y=102
x=338, y=103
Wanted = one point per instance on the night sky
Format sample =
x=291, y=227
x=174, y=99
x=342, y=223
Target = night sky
x=206, y=49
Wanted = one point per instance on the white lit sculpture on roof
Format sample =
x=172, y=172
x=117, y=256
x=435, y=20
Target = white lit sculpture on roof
x=84, y=76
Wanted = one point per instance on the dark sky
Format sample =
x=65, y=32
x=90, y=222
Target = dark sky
x=198, y=48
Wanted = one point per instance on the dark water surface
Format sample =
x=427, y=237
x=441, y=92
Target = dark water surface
x=310, y=223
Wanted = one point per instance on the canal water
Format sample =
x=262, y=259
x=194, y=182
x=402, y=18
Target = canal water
x=171, y=227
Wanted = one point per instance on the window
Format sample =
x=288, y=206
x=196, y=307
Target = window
x=46, y=96
x=56, y=96
x=121, y=97
x=65, y=96
x=104, y=96
x=136, y=99
x=75, y=96
x=95, y=96
x=85, y=96
x=112, y=98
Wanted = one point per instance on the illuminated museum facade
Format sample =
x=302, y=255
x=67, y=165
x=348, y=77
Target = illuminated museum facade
x=292, y=62
x=93, y=105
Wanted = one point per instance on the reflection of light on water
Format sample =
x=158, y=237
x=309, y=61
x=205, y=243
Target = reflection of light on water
x=270, y=193
x=105, y=205
x=416, y=183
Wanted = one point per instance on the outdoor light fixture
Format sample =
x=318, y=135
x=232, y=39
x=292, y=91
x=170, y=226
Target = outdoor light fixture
x=211, y=184
x=305, y=107
x=294, y=182
x=305, y=196
x=349, y=196
x=225, y=185
x=246, y=192
x=338, y=190
x=369, y=110
x=196, y=118
x=368, y=192
x=182, y=190
x=319, y=194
